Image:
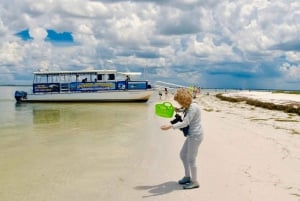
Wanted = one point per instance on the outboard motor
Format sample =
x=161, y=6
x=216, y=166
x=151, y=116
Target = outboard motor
x=20, y=95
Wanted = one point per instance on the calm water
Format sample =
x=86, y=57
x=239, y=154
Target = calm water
x=47, y=146
x=53, y=119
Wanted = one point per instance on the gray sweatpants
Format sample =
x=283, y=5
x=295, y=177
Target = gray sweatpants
x=188, y=155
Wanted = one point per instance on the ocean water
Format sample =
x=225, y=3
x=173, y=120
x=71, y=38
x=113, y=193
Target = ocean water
x=52, y=146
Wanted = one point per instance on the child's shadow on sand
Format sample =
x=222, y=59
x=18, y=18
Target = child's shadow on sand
x=160, y=189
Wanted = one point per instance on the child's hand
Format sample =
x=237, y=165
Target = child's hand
x=165, y=127
x=179, y=109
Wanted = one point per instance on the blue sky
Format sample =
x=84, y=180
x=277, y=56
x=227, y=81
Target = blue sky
x=52, y=36
x=213, y=44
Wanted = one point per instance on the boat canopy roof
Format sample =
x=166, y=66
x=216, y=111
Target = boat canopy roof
x=75, y=72
x=84, y=72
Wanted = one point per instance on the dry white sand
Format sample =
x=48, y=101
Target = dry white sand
x=248, y=154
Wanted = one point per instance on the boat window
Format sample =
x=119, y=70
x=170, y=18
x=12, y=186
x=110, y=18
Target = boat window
x=99, y=77
x=41, y=79
x=57, y=79
x=111, y=76
x=64, y=78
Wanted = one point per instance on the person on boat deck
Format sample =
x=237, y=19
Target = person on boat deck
x=194, y=136
x=127, y=78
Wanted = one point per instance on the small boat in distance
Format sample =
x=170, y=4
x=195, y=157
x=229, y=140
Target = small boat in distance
x=85, y=86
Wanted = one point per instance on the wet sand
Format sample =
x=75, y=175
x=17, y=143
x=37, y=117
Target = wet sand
x=248, y=153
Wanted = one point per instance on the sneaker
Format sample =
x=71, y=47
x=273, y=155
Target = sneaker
x=184, y=180
x=191, y=185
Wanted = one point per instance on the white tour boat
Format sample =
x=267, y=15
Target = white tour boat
x=85, y=86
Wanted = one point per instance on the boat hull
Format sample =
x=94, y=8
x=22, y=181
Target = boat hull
x=100, y=96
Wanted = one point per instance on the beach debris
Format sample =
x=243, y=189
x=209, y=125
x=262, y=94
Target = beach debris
x=288, y=107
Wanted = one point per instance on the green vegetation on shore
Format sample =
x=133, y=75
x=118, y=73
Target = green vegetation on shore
x=289, y=108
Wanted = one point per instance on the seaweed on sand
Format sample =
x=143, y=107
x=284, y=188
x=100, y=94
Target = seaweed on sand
x=288, y=108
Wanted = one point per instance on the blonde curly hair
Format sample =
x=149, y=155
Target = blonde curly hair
x=183, y=97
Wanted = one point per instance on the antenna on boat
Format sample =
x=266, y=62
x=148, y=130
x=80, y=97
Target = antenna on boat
x=169, y=84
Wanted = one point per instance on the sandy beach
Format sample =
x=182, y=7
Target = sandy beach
x=248, y=154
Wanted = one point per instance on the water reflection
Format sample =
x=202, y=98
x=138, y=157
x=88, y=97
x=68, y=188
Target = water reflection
x=41, y=140
x=85, y=116
x=45, y=116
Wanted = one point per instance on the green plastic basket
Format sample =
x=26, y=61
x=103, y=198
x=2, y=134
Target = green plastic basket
x=164, y=109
